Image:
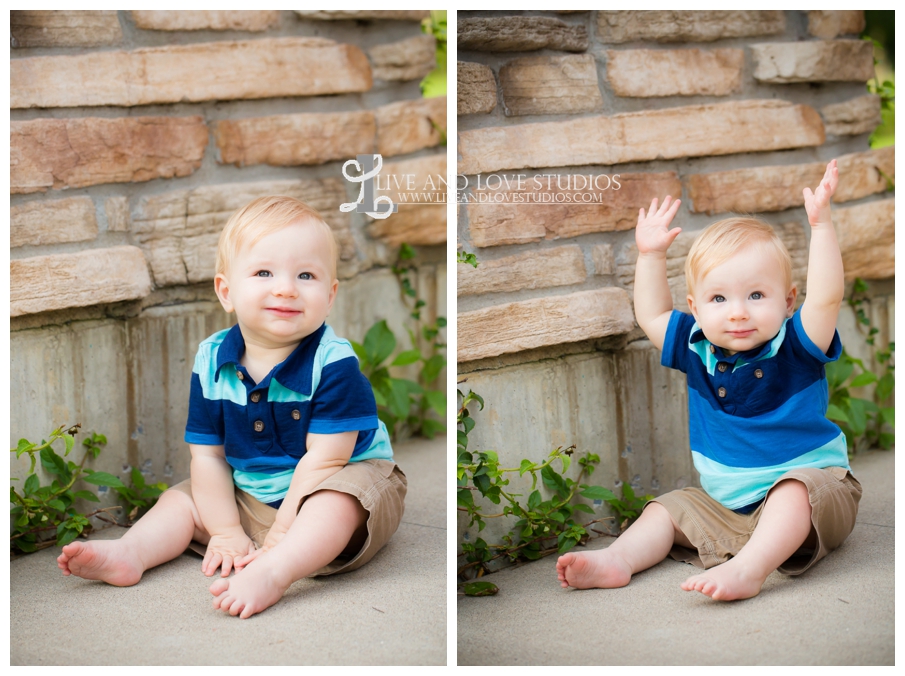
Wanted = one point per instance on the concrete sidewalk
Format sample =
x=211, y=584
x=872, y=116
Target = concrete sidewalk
x=841, y=612
x=392, y=611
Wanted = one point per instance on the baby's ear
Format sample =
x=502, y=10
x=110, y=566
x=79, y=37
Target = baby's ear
x=790, y=301
x=691, y=305
x=333, y=288
x=221, y=286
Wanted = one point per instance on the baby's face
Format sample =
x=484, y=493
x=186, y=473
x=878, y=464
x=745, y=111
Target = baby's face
x=282, y=287
x=742, y=303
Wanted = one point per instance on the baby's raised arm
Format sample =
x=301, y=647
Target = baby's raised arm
x=653, y=301
x=826, y=278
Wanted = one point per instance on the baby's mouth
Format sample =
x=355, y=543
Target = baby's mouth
x=284, y=311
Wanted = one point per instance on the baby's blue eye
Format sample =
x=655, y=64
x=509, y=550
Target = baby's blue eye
x=262, y=273
x=757, y=295
x=305, y=275
x=718, y=299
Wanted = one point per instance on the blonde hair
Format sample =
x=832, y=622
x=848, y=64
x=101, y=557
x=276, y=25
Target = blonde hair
x=722, y=240
x=264, y=216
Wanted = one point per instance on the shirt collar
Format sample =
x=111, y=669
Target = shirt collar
x=294, y=372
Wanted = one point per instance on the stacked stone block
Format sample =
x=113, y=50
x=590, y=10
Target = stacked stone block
x=733, y=111
x=134, y=135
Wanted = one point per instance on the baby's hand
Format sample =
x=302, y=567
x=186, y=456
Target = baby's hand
x=817, y=203
x=652, y=235
x=223, y=550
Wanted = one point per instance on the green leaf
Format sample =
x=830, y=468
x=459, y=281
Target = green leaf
x=833, y=412
x=554, y=481
x=566, y=461
x=525, y=466
x=359, y=350
x=87, y=495
x=431, y=428
x=480, y=589
x=66, y=536
x=863, y=379
x=31, y=484
x=534, y=500
x=103, y=479
x=432, y=368
x=857, y=416
x=70, y=442
x=464, y=498
x=462, y=439
x=24, y=446
x=597, y=493
x=137, y=479
x=55, y=464
x=885, y=386
x=379, y=343
x=25, y=546
x=581, y=507
x=437, y=401
x=399, y=401
x=406, y=358
x=888, y=415
x=56, y=504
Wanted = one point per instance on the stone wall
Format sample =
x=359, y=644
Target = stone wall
x=134, y=135
x=734, y=111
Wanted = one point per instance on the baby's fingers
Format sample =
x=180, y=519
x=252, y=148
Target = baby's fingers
x=211, y=563
x=226, y=566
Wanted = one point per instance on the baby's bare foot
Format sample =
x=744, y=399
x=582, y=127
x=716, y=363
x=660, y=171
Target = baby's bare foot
x=255, y=588
x=108, y=561
x=602, y=568
x=729, y=581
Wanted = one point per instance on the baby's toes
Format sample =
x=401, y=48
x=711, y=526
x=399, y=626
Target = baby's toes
x=219, y=587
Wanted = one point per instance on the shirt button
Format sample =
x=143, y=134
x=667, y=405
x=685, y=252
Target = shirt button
x=296, y=415
x=722, y=392
x=256, y=397
x=722, y=366
x=758, y=373
x=259, y=425
x=239, y=375
x=712, y=350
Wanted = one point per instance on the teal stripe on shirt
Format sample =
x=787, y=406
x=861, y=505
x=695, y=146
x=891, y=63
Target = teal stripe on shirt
x=736, y=487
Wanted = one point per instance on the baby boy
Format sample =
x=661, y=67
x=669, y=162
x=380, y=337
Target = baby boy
x=777, y=490
x=291, y=471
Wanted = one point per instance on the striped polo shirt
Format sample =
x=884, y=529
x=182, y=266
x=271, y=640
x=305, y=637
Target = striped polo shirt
x=755, y=415
x=263, y=427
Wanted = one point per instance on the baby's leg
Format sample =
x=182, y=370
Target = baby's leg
x=328, y=523
x=645, y=543
x=159, y=536
x=784, y=526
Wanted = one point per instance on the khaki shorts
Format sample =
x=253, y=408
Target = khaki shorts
x=719, y=533
x=380, y=487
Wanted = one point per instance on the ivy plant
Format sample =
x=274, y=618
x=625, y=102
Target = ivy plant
x=40, y=512
x=865, y=422
x=402, y=402
x=544, y=524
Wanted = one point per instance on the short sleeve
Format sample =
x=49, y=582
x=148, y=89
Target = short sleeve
x=343, y=400
x=675, y=342
x=201, y=428
x=804, y=347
